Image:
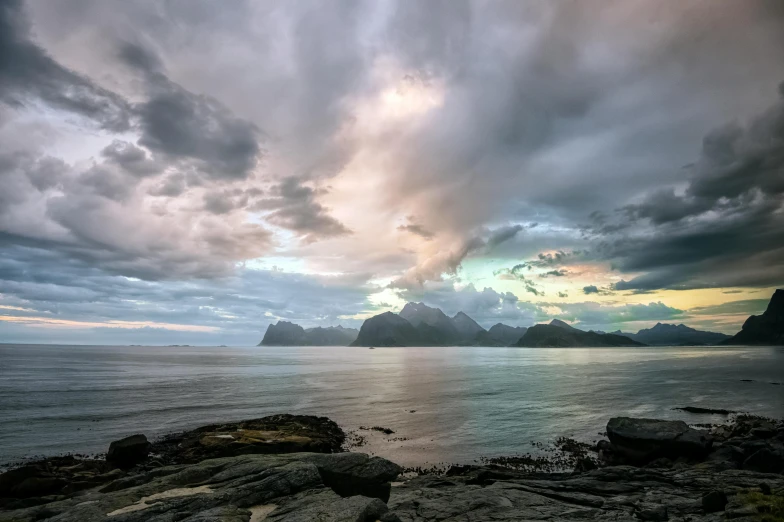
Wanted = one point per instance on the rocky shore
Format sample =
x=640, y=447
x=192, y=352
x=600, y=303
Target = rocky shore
x=293, y=468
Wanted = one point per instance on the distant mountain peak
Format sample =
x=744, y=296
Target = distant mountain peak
x=561, y=324
x=466, y=326
x=285, y=333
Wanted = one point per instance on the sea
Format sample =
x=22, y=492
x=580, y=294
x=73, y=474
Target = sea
x=446, y=405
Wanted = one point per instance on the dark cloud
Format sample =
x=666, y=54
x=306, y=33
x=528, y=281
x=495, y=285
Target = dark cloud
x=416, y=229
x=744, y=307
x=29, y=74
x=593, y=289
x=502, y=235
x=181, y=124
x=725, y=229
x=172, y=186
x=483, y=120
x=131, y=158
x=41, y=284
x=294, y=207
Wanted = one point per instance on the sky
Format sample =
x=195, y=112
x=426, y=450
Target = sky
x=190, y=171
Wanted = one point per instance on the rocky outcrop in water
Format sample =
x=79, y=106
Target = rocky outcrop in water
x=766, y=329
x=284, y=333
x=558, y=334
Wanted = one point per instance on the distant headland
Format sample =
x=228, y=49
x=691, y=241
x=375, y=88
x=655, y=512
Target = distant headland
x=420, y=325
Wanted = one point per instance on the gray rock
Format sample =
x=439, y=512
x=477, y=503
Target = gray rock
x=653, y=512
x=129, y=451
x=765, y=461
x=356, y=474
x=643, y=440
x=291, y=488
x=326, y=506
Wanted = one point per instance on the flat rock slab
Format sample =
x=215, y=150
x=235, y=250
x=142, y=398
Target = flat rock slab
x=273, y=434
x=621, y=493
x=643, y=440
x=231, y=488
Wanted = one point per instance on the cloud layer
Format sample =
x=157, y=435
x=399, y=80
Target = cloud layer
x=608, y=164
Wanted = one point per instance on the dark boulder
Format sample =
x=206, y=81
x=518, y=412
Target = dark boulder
x=29, y=481
x=714, y=501
x=55, y=476
x=350, y=474
x=129, y=451
x=765, y=461
x=643, y=440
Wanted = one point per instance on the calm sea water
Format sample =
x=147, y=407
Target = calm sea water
x=469, y=402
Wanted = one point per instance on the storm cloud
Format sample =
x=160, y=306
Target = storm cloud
x=191, y=152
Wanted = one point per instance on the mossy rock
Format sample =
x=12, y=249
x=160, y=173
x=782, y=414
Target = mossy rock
x=766, y=508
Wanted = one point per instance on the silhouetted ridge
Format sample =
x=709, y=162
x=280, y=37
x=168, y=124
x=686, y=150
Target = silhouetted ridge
x=765, y=329
x=284, y=333
x=558, y=334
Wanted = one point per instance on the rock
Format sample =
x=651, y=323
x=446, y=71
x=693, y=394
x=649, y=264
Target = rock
x=129, y=451
x=326, y=506
x=273, y=434
x=764, y=432
x=726, y=457
x=660, y=463
x=298, y=487
x=653, y=512
x=584, y=464
x=285, y=487
x=765, y=461
x=643, y=440
x=355, y=474
x=55, y=476
x=697, y=409
x=714, y=501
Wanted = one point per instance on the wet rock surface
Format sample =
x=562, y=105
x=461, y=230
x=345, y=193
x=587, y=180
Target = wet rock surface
x=130, y=457
x=723, y=484
x=644, y=440
x=273, y=434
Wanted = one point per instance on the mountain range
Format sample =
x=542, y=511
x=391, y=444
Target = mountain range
x=558, y=334
x=420, y=325
x=284, y=333
x=675, y=335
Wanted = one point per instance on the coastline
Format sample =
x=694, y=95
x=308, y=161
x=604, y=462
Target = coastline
x=289, y=467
